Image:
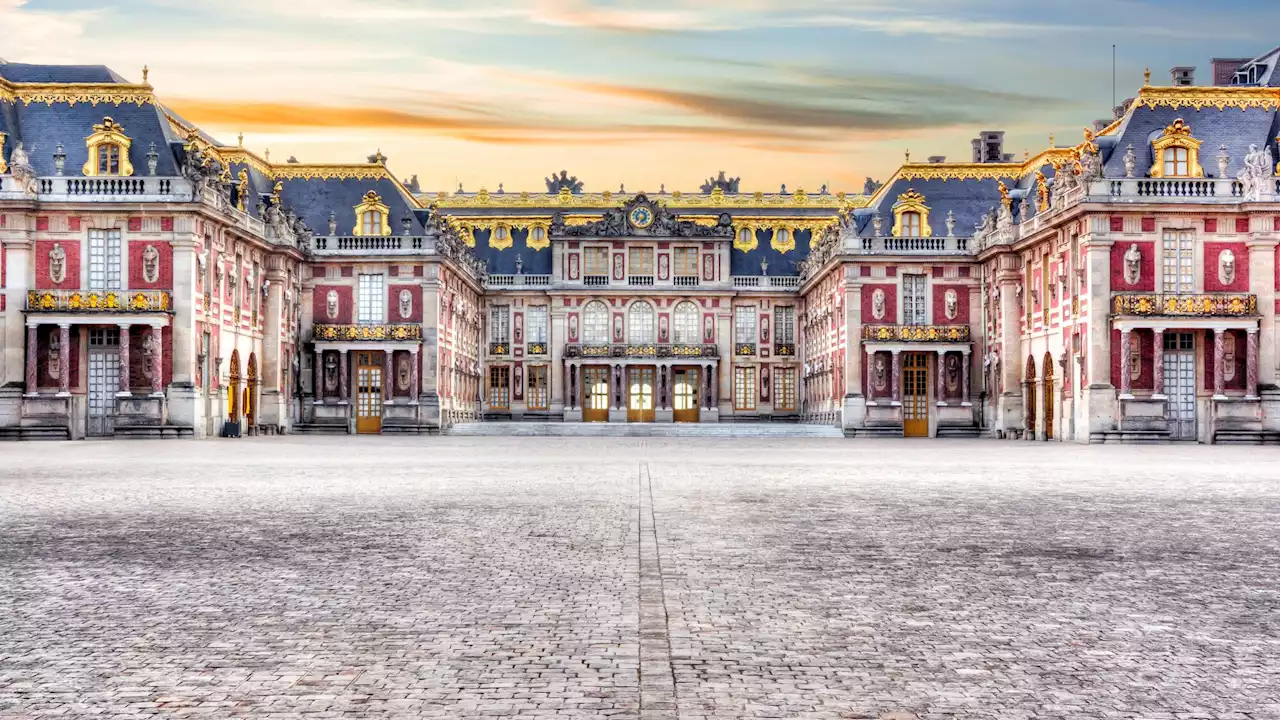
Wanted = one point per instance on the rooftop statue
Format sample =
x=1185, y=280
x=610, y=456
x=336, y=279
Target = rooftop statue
x=557, y=183
x=23, y=173
x=728, y=185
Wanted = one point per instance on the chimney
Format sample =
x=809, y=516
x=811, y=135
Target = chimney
x=977, y=150
x=1122, y=108
x=1183, y=75
x=1100, y=125
x=935, y=159
x=1225, y=68
x=988, y=147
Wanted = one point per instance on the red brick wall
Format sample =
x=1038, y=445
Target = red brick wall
x=940, y=305
x=393, y=304
x=72, y=280
x=164, y=279
x=1146, y=283
x=320, y=309
x=1211, y=252
x=890, y=304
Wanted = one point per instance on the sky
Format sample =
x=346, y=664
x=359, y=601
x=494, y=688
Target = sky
x=645, y=94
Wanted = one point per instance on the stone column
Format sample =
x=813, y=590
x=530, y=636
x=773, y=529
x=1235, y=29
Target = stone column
x=713, y=383
x=64, y=360
x=1251, y=355
x=1126, y=366
x=33, y=340
x=895, y=386
x=965, y=359
x=413, y=376
x=124, y=390
x=157, y=362
x=343, y=380
x=869, y=390
x=1157, y=360
x=941, y=381
x=1219, y=367
x=317, y=377
x=388, y=374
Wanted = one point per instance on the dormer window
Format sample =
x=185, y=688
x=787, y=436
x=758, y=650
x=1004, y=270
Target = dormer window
x=911, y=224
x=108, y=148
x=371, y=216
x=911, y=216
x=1177, y=153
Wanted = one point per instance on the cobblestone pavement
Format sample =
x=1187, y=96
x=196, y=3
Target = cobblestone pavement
x=641, y=579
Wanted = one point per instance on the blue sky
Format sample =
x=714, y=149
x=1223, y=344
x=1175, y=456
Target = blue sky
x=663, y=92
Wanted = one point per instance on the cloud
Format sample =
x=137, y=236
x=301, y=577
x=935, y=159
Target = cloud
x=30, y=34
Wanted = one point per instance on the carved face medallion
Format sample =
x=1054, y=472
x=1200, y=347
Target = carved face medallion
x=1132, y=265
x=1226, y=267
x=57, y=264
x=952, y=304
x=150, y=264
x=331, y=304
x=406, y=304
x=877, y=304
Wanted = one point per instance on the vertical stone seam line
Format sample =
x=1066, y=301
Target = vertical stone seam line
x=657, y=676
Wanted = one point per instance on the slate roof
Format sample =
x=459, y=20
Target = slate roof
x=787, y=263
x=534, y=262
x=968, y=199
x=313, y=199
x=1235, y=128
x=40, y=127
x=22, y=72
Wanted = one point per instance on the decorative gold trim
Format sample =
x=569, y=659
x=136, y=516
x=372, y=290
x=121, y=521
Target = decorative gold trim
x=72, y=93
x=500, y=236
x=1188, y=304
x=371, y=202
x=98, y=301
x=356, y=333
x=109, y=132
x=1200, y=97
x=1042, y=192
x=744, y=243
x=1176, y=135
x=911, y=201
x=916, y=333
x=959, y=171
x=4, y=167
x=535, y=243
x=783, y=240
x=715, y=199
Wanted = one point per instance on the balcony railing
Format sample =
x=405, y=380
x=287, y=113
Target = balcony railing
x=515, y=281
x=537, y=348
x=744, y=349
x=499, y=348
x=766, y=282
x=640, y=280
x=99, y=301
x=640, y=350
x=106, y=189
x=912, y=246
x=784, y=349
x=915, y=333
x=368, y=245
x=1185, y=304
x=595, y=280
x=363, y=333
x=685, y=281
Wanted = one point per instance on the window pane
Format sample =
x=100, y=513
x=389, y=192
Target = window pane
x=641, y=261
x=744, y=324
x=686, y=261
x=371, y=300
x=537, y=324
x=686, y=324
x=744, y=388
x=595, y=324
x=784, y=324
x=500, y=324
x=640, y=322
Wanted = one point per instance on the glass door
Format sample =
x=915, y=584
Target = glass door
x=640, y=394
x=685, y=396
x=1180, y=384
x=915, y=395
x=595, y=392
x=369, y=392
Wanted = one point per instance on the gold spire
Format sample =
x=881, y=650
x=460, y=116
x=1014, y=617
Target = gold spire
x=145, y=71
x=240, y=139
x=1146, y=78
x=908, y=153
x=268, y=155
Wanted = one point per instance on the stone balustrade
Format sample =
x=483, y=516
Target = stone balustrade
x=102, y=189
x=641, y=350
x=911, y=246
x=1184, y=304
x=99, y=301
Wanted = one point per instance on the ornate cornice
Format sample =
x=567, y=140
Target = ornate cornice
x=1200, y=97
x=714, y=199
x=72, y=93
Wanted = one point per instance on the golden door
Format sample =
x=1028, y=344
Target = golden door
x=1048, y=398
x=684, y=384
x=595, y=394
x=640, y=394
x=915, y=395
x=369, y=392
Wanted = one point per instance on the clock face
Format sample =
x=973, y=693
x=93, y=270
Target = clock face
x=641, y=217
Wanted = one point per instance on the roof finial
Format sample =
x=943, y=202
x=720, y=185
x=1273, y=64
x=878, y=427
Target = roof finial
x=1026, y=154
x=1050, y=139
x=145, y=71
x=240, y=139
x=1146, y=78
x=268, y=155
x=908, y=154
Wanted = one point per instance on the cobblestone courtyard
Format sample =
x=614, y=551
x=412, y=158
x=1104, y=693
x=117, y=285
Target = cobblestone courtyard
x=626, y=578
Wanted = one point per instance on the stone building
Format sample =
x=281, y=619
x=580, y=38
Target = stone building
x=157, y=282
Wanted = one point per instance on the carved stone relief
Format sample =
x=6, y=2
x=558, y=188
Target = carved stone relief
x=1226, y=267
x=331, y=304
x=1132, y=265
x=57, y=264
x=331, y=373
x=877, y=304
x=406, y=304
x=952, y=304
x=403, y=371
x=150, y=264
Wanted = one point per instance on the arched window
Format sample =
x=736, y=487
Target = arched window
x=108, y=159
x=595, y=324
x=911, y=224
x=371, y=222
x=1175, y=162
x=686, y=324
x=640, y=323
x=911, y=215
x=108, y=150
x=371, y=216
x=1176, y=153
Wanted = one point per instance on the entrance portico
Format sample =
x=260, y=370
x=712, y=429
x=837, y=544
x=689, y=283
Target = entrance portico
x=641, y=383
x=917, y=377
x=381, y=362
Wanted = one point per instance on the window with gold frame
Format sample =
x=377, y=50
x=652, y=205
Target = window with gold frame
x=108, y=150
x=538, y=395
x=784, y=389
x=500, y=387
x=744, y=387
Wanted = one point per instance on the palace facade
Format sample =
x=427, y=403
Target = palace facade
x=157, y=282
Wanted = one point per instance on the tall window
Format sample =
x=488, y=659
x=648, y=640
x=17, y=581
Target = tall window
x=536, y=324
x=640, y=323
x=500, y=387
x=686, y=262
x=371, y=300
x=595, y=261
x=686, y=324
x=108, y=159
x=538, y=393
x=744, y=388
x=371, y=222
x=784, y=324
x=104, y=259
x=1178, y=261
x=1176, y=162
x=595, y=323
x=641, y=261
x=500, y=324
x=744, y=325
x=913, y=307
x=910, y=224
x=784, y=389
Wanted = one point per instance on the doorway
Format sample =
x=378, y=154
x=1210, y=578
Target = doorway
x=684, y=387
x=1180, y=384
x=640, y=394
x=915, y=395
x=1048, y=396
x=595, y=393
x=104, y=380
x=369, y=392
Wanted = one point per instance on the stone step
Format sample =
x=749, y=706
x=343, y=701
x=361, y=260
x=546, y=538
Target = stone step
x=959, y=431
x=874, y=432
x=1246, y=437
x=1137, y=437
x=319, y=429
x=52, y=432
x=562, y=429
x=154, y=432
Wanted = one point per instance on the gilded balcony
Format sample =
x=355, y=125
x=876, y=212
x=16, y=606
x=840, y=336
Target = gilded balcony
x=640, y=350
x=99, y=301
x=1184, y=304
x=367, y=333
x=916, y=333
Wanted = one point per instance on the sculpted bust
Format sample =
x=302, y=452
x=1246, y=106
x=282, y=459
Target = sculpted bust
x=877, y=304
x=150, y=264
x=1132, y=265
x=952, y=304
x=331, y=304
x=1226, y=267
x=406, y=304
x=57, y=264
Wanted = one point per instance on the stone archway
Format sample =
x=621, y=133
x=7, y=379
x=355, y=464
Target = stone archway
x=1029, y=423
x=1047, y=365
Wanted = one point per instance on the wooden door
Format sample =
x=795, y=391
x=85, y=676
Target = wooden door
x=640, y=394
x=915, y=395
x=369, y=392
x=1048, y=397
x=684, y=385
x=595, y=394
